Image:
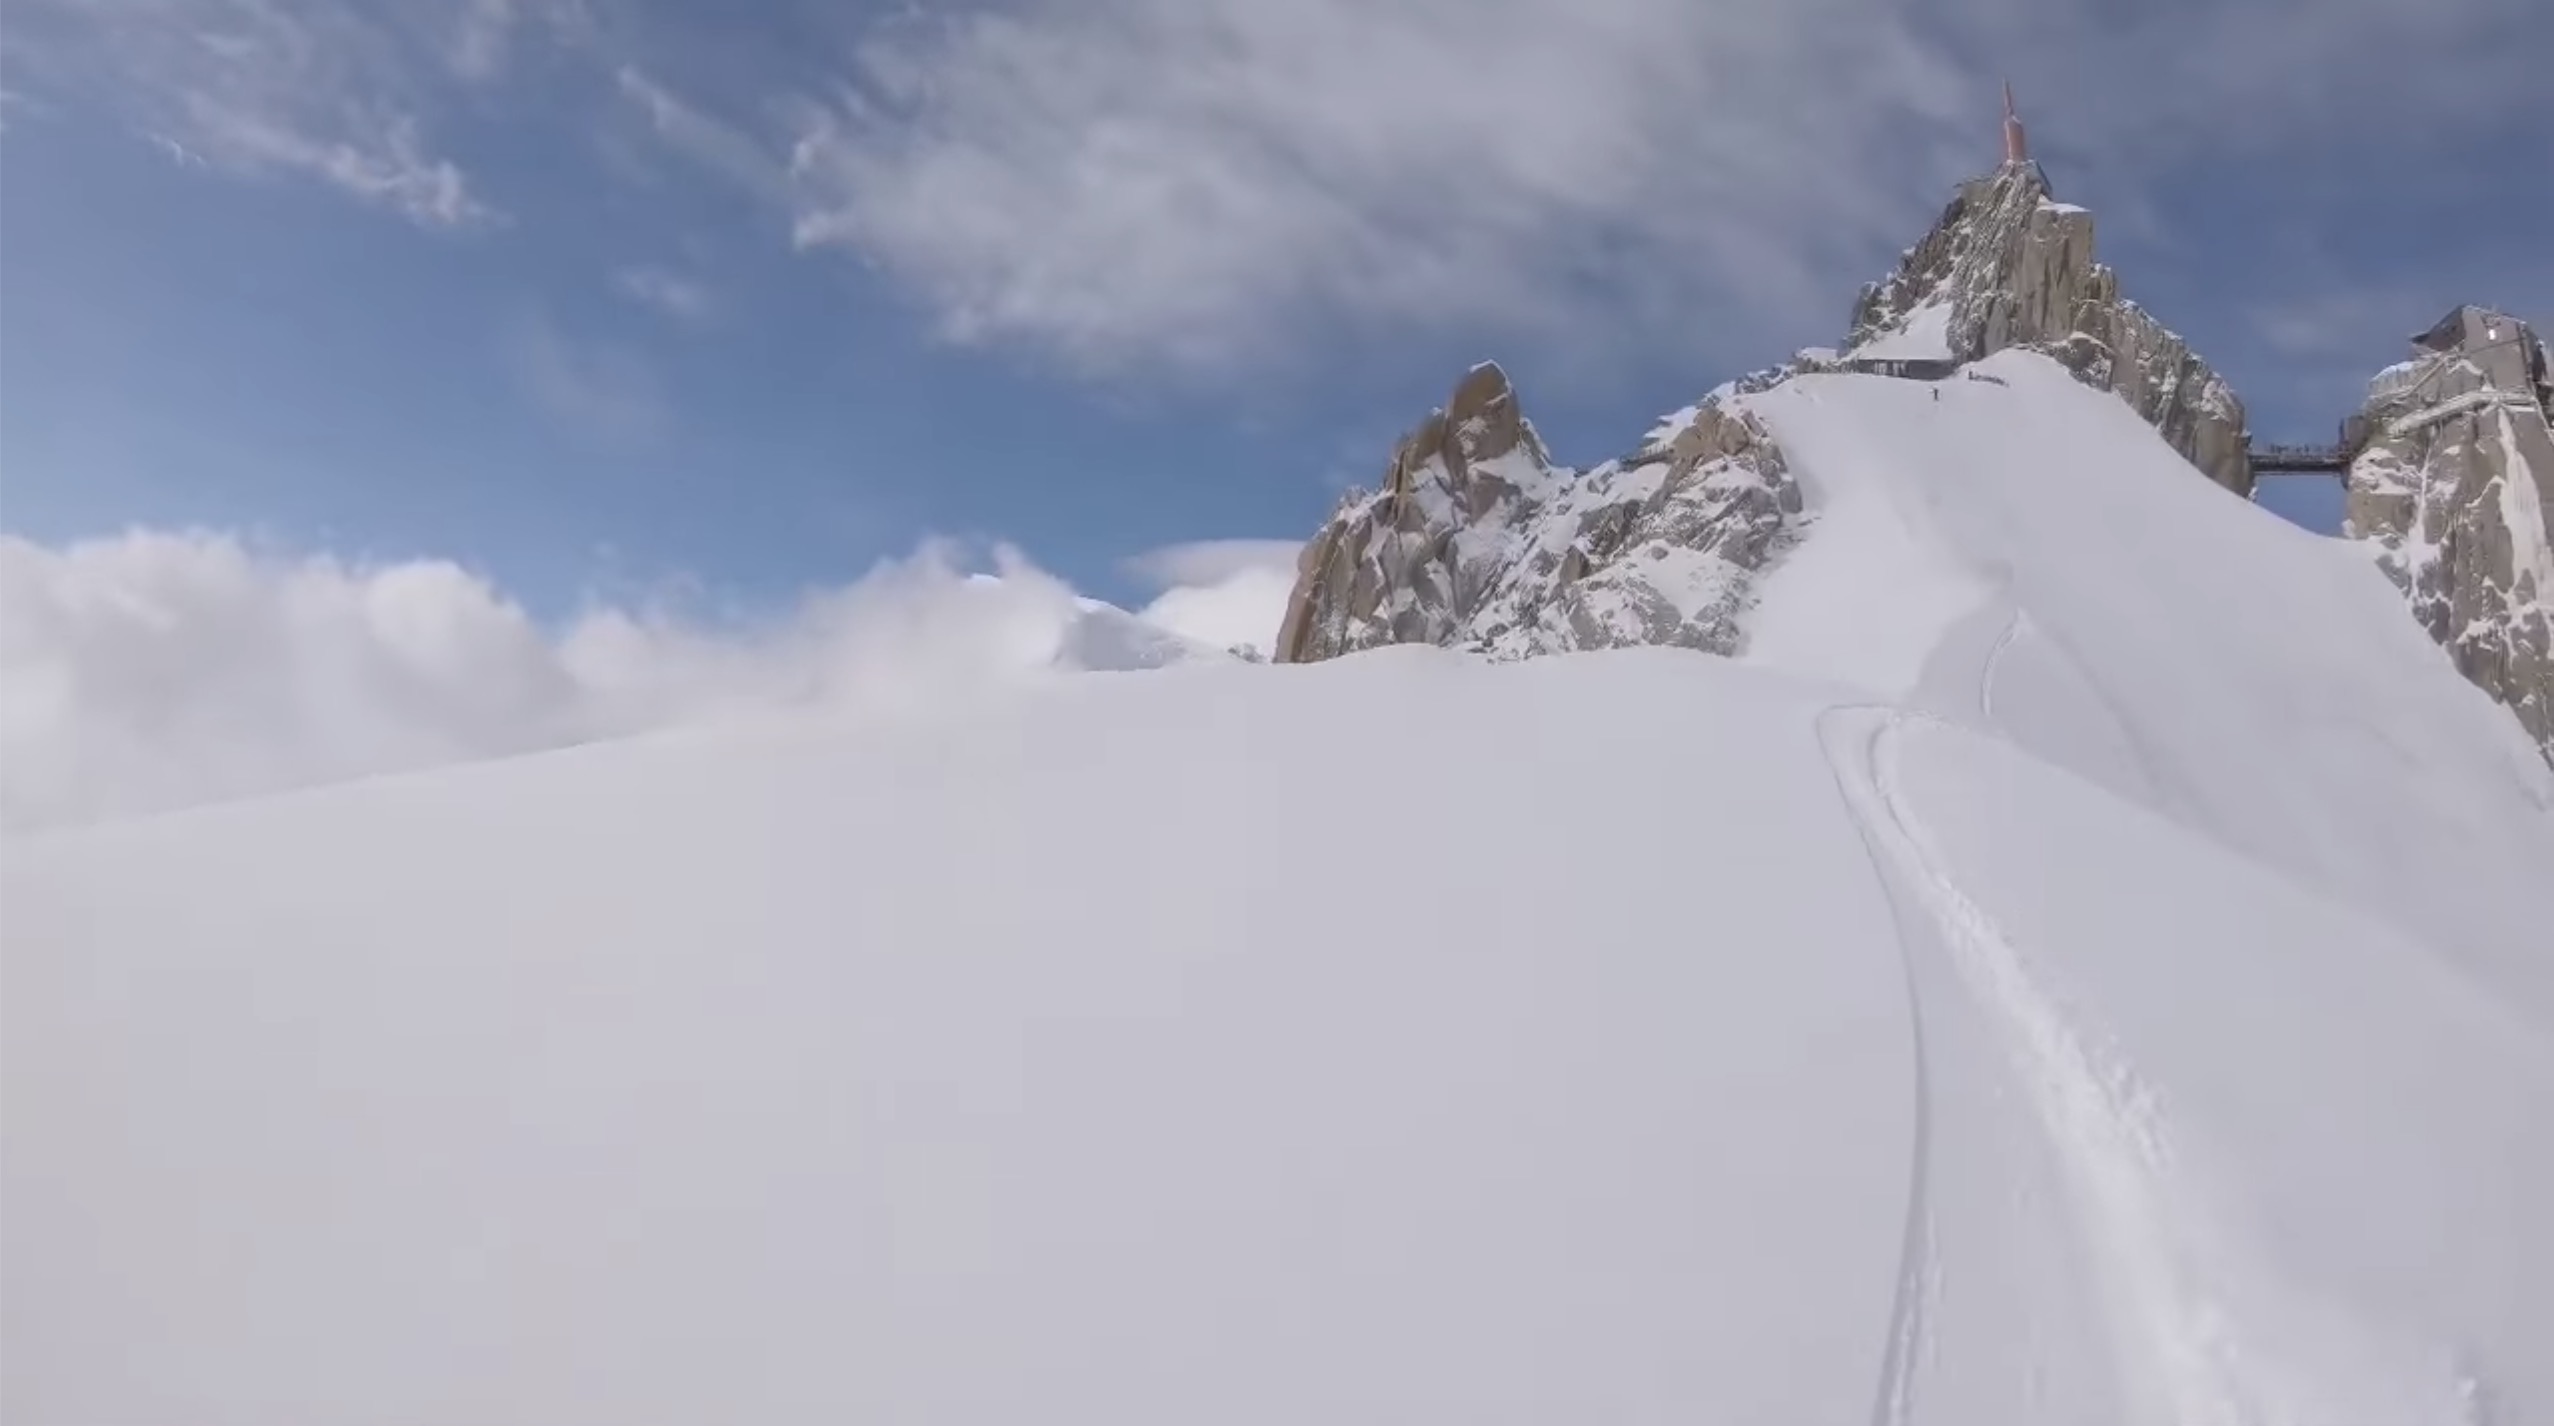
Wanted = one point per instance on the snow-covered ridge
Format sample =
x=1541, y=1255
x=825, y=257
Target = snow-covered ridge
x=1666, y=545
x=1988, y=999
x=1828, y=522
x=1669, y=543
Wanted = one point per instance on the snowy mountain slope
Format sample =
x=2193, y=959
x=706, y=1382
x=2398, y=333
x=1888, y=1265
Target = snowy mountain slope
x=2195, y=655
x=2161, y=1176
x=2085, y=962
x=2252, y=1039
x=1065, y=1062
x=1059, y=1063
x=2298, y=791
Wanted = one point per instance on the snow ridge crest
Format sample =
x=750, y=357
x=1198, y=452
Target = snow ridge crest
x=1476, y=539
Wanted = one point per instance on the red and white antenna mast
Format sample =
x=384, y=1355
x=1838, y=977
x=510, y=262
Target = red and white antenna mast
x=2017, y=144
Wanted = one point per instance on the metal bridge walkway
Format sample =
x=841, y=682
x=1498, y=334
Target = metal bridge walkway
x=2331, y=459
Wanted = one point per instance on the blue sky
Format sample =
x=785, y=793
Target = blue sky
x=587, y=295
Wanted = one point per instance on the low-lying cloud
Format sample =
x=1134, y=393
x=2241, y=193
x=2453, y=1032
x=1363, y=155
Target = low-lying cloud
x=156, y=670
x=1228, y=594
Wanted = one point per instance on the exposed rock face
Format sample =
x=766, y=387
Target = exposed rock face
x=1477, y=541
x=1412, y=561
x=2455, y=494
x=2007, y=266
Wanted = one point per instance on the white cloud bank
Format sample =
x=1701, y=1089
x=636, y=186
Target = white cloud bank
x=156, y=670
x=1223, y=593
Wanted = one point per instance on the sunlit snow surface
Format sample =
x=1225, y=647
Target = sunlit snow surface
x=1924, y=335
x=2108, y=983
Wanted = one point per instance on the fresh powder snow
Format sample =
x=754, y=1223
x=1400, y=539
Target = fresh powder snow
x=1925, y=335
x=2085, y=962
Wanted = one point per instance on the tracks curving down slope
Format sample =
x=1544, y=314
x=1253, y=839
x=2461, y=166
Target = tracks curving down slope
x=2175, y=1351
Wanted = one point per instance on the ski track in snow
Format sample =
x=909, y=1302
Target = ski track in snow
x=2013, y=624
x=1918, y=1272
x=2105, y=1125
x=2177, y=1312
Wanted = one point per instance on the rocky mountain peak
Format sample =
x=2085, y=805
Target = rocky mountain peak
x=1961, y=264
x=1404, y=564
x=1476, y=539
x=1474, y=448
x=2007, y=265
x=1483, y=420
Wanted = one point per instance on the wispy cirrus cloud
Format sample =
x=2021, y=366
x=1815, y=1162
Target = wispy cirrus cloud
x=596, y=391
x=723, y=149
x=2139, y=88
x=2321, y=310
x=2345, y=323
x=387, y=163
x=1191, y=186
x=335, y=91
x=1193, y=189
x=13, y=101
x=1204, y=190
x=664, y=291
x=484, y=37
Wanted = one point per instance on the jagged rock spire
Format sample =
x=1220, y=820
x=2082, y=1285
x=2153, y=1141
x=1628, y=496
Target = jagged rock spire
x=1477, y=541
x=2008, y=266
